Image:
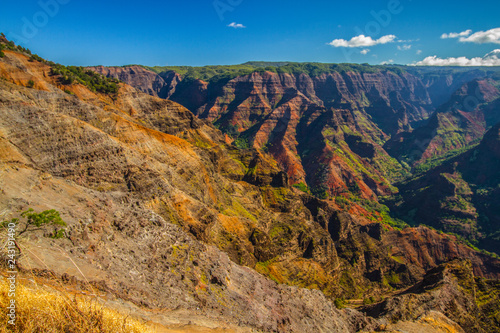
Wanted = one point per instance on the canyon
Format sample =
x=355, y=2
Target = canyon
x=349, y=133
x=251, y=203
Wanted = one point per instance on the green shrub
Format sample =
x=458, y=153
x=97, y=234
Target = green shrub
x=340, y=303
x=241, y=143
x=92, y=80
x=369, y=300
x=35, y=57
x=68, y=74
x=301, y=186
x=35, y=221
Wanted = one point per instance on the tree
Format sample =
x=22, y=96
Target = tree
x=35, y=221
x=67, y=80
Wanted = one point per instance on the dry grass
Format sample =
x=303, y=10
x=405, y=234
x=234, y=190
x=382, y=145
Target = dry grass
x=41, y=311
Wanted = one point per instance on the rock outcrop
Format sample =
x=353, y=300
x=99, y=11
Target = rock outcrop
x=142, y=79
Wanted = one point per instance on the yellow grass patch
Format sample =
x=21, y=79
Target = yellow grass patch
x=38, y=310
x=233, y=225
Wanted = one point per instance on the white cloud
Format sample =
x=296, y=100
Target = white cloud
x=365, y=51
x=236, y=25
x=408, y=40
x=362, y=41
x=405, y=47
x=483, y=37
x=491, y=59
x=456, y=34
x=390, y=61
x=419, y=51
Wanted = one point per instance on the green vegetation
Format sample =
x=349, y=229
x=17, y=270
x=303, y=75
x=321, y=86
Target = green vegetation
x=433, y=162
x=317, y=69
x=206, y=73
x=393, y=279
x=340, y=303
x=264, y=64
x=238, y=210
x=275, y=197
x=31, y=84
x=36, y=57
x=374, y=208
x=241, y=143
x=69, y=74
x=343, y=202
x=281, y=231
x=218, y=73
x=90, y=79
x=369, y=300
x=487, y=298
x=320, y=188
x=35, y=221
x=470, y=243
x=459, y=203
x=437, y=72
x=303, y=187
x=9, y=45
x=263, y=268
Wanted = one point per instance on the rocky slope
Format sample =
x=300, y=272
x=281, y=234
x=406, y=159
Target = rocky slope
x=130, y=193
x=454, y=290
x=460, y=195
x=465, y=118
x=164, y=214
x=146, y=81
x=442, y=82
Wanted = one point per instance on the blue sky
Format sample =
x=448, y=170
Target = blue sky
x=195, y=32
